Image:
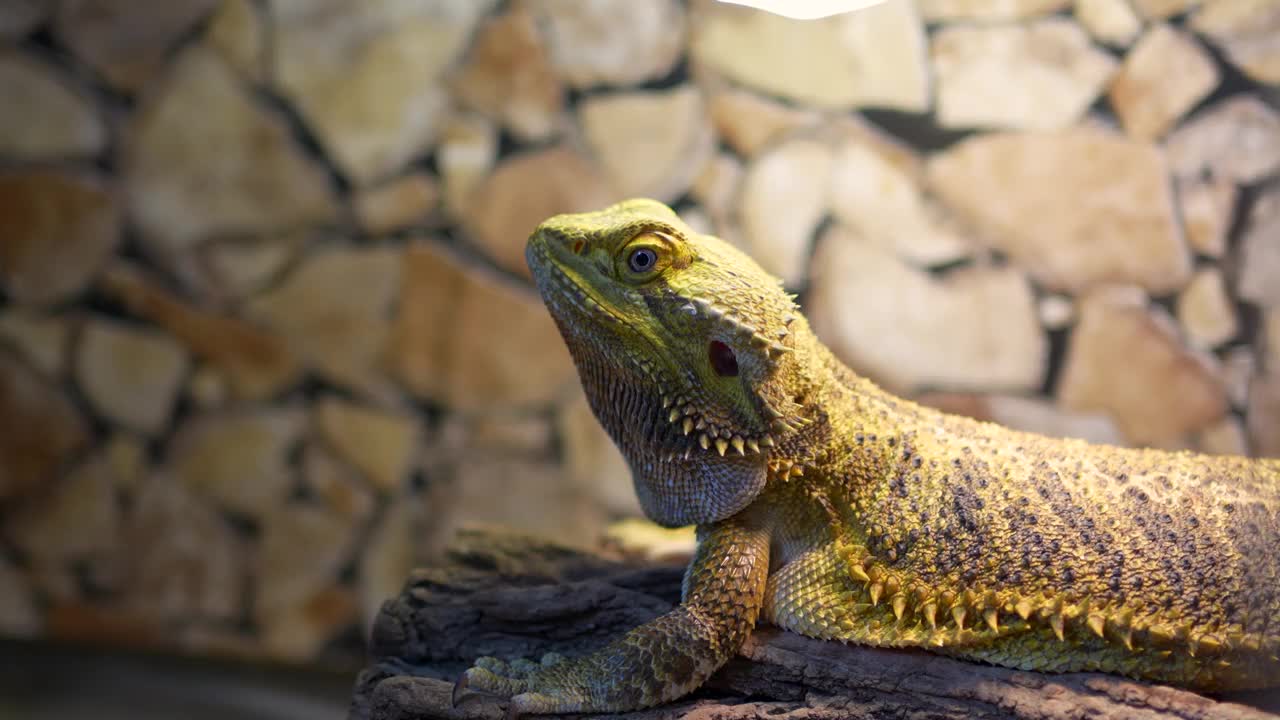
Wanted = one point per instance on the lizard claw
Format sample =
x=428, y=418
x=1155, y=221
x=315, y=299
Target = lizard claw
x=458, y=687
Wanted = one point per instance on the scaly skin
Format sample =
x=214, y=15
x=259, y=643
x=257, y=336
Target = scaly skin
x=831, y=508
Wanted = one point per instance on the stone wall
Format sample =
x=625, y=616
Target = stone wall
x=267, y=336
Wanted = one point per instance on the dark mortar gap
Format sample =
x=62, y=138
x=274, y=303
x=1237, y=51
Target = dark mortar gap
x=313, y=387
x=418, y=481
x=509, y=144
x=921, y=132
x=1168, y=302
x=244, y=525
x=1057, y=357
x=816, y=237
x=1232, y=81
x=1248, y=323
x=941, y=270
x=308, y=140
x=679, y=75
x=683, y=203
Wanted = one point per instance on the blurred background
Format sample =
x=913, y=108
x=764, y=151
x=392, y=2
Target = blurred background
x=267, y=337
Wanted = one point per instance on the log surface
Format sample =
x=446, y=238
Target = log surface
x=511, y=596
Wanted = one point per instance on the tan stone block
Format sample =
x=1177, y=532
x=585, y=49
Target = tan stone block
x=980, y=324
x=508, y=75
x=874, y=57
x=1205, y=310
x=1236, y=139
x=1248, y=31
x=783, y=198
x=750, y=122
x=592, y=461
x=1259, y=271
x=1112, y=22
x=303, y=549
x=399, y=204
x=183, y=559
x=1208, y=209
x=1124, y=358
x=43, y=429
x=473, y=342
x=46, y=116
x=369, y=76
x=56, y=231
x=650, y=143
x=876, y=192
x=256, y=363
x=1077, y=207
x=378, y=443
x=41, y=338
x=129, y=49
x=987, y=10
x=204, y=158
x=130, y=374
x=612, y=42
x=334, y=310
x=239, y=459
x=1165, y=74
x=526, y=189
x=1041, y=76
x=238, y=31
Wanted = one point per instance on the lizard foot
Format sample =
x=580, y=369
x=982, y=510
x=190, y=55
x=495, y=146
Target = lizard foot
x=524, y=682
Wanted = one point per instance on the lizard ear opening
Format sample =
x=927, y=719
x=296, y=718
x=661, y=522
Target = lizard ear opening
x=723, y=361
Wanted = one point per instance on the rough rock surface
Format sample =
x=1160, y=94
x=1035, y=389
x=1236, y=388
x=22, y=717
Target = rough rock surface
x=1205, y=310
x=130, y=373
x=127, y=49
x=1112, y=22
x=239, y=459
x=1260, y=251
x=527, y=189
x=205, y=158
x=1125, y=359
x=445, y=348
x=1165, y=74
x=1041, y=76
x=379, y=444
x=783, y=198
x=366, y=75
x=1237, y=138
x=56, y=231
x=44, y=429
x=46, y=116
x=981, y=322
x=1080, y=207
x=335, y=311
x=508, y=75
x=612, y=42
x=650, y=144
x=875, y=57
x=1248, y=31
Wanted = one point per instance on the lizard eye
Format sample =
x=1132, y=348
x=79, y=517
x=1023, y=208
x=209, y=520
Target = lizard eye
x=642, y=260
x=645, y=256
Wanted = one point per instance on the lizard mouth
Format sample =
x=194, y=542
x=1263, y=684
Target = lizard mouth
x=562, y=292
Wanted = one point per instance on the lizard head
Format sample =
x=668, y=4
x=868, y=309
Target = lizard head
x=683, y=345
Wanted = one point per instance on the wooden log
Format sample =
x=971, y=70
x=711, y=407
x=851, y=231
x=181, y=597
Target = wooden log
x=512, y=596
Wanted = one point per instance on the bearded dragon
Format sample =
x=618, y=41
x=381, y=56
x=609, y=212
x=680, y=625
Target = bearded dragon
x=831, y=508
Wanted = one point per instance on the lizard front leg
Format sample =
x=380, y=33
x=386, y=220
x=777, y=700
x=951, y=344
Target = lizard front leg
x=663, y=659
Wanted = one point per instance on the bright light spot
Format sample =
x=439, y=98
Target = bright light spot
x=806, y=9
